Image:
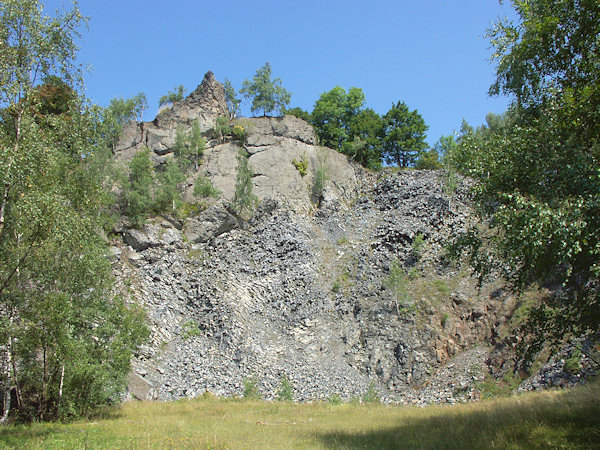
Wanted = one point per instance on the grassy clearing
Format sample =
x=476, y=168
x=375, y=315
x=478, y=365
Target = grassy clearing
x=557, y=419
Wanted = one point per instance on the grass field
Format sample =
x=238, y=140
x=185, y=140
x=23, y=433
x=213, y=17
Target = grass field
x=554, y=419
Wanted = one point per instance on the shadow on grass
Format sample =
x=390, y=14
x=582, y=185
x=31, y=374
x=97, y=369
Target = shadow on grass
x=14, y=435
x=567, y=419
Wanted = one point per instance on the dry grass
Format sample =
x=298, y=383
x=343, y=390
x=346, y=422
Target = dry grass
x=557, y=419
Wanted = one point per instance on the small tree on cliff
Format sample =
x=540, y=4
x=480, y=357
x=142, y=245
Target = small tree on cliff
x=268, y=95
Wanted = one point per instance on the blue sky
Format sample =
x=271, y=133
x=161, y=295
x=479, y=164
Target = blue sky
x=431, y=54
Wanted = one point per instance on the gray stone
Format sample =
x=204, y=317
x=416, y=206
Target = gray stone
x=210, y=223
x=138, y=240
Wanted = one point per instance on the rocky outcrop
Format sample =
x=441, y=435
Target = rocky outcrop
x=306, y=296
x=303, y=288
x=204, y=104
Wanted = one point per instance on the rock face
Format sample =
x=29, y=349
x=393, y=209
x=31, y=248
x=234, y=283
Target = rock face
x=305, y=287
x=204, y=104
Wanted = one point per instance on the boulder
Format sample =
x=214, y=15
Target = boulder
x=212, y=222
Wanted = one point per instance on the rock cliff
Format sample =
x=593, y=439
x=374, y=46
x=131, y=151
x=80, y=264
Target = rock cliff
x=339, y=293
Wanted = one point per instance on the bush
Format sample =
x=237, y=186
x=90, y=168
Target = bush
x=244, y=201
x=138, y=193
x=301, y=166
x=239, y=133
x=286, y=389
x=371, y=396
x=573, y=363
x=251, y=389
x=204, y=188
x=320, y=179
x=417, y=244
x=222, y=128
x=190, y=330
x=335, y=399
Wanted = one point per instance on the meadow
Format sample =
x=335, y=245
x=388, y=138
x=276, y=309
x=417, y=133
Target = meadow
x=550, y=419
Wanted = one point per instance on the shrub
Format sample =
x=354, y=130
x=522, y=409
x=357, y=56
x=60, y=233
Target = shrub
x=371, y=396
x=138, y=193
x=251, y=389
x=417, y=244
x=573, y=363
x=239, y=133
x=222, y=128
x=244, y=201
x=335, y=399
x=301, y=166
x=444, y=319
x=204, y=188
x=286, y=389
x=320, y=179
x=190, y=330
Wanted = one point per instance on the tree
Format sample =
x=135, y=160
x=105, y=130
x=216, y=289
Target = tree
x=333, y=113
x=298, y=112
x=537, y=169
x=138, y=192
x=120, y=112
x=404, y=135
x=233, y=103
x=268, y=95
x=244, y=201
x=429, y=160
x=366, y=128
x=66, y=338
x=189, y=146
x=174, y=95
x=167, y=197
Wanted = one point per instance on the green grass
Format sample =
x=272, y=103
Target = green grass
x=555, y=419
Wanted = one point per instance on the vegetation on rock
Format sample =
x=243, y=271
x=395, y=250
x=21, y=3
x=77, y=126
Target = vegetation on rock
x=267, y=94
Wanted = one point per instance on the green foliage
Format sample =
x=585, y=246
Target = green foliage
x=501, y=387
x=69, y=338
x=233, y=103
x=268, y=95
x=204, y=188
x=297, y=112
x=573, y=362
x=222, y=128
x=285, y=393
x=120, y=112
x=244, y=201
x=404, y=135
x=189, y=146
x=333, y=113
x=397, y=282
x=444, y=319
x=172, y=96
x=366, y=132
x=537, y=167
x=54, y=96
x=301, y=166
x=190, y=330
x=371, y=396
x=251, y=389
x=417, y=244
x=239, y=133
x=429, y=160
x=168, y=193
x=138, y=195
x=320, y=178
x=335, y=399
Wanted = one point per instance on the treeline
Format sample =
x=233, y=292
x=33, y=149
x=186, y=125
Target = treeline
x=343, y=123
x=66, y=336
x=537, y=168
